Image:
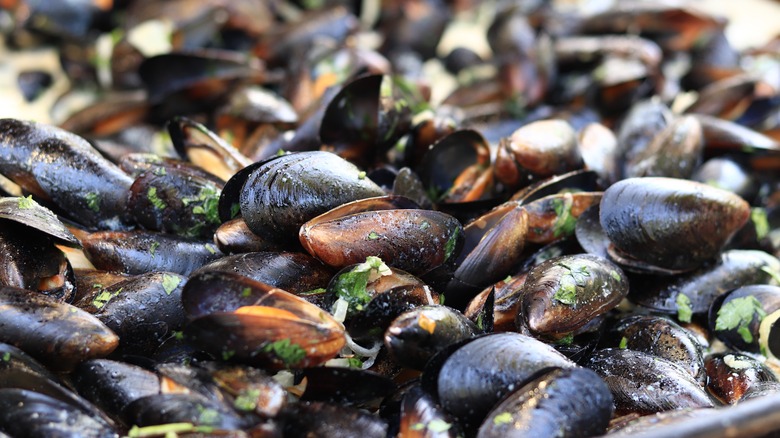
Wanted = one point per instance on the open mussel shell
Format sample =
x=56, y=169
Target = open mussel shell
x=364, y=119
x=277, y=196
x=646, y=384
x=675, y=152
x=559, y=402
x=731, y=375
x=408, y=238
x=492, y=249
x=457, y=168
x=661, y=337
x=31, y=214
x=44, y=327
x=275, y=329
x=477, y=374
x=698, y=289
x=555, y=216
x=27, y=413
x=670, y=223
x=737, y=317
x=563, y=294
x=416, y=335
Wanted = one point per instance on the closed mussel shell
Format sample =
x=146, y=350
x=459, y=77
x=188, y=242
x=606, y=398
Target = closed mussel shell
x=27, y=413
x=478, y=374
x=731, y=375
x=183, y=408
x=306, y=419
x=143, y=310
x=646, y=384
x=57, y=334
x=661, y=337
x=670, y=223
x=410, y=239
x=563, y=294
x=280, y=194
x=573, y=402
x=415, y=336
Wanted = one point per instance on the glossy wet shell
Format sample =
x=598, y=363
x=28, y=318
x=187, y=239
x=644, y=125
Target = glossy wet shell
x=565, y=293
x=279, y=195
x=570, y=402
x=671, y=223
x=57, y=334
x=478, y=374
x=731, y=376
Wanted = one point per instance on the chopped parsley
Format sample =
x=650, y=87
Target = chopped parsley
x=170, y=282
x=615, y=275
x=502, y=418
x=362, y=175
x=227, y=354
x=208, y=415
x=351, y=286
x=286, y=351
x=153, y=247
x=354, y=362
x=206, y=203
x=738, y=314
x=246, y=292
x=449, y=247
x=158, y=203
x=760, y=222
x=170, y=429
x=210, y=248
x=93, y=201
x=6, y=356
x=567, y=288
x=436, y=426
x=26, y=203
x=566, y=340
x=623, y=343
x=372, y=236
x=247, y=399
x=684, y=311
x=235, y=209
x=103, y=298
x=319, y=290
x=564, y=222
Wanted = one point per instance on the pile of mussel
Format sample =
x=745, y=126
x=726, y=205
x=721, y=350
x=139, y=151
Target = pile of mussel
x=265, y=223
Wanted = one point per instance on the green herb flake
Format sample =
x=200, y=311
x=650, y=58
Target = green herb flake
x=158, y=203
x=6, y=356
x=281, y=152
x=417, y=426
x=93, y=201
x=247, y=399
x=208, y=415
x=684, y=311
x=441, y=299
x=439, y=426
x=170, y=429
x=178, y=335
x=565, y=222
x=286, y=351
x=226, y=355
x=362, y=175
x=205, y=203
x=354, y=362
x=351, y=286
x=246, y=292
x=97, y=285
x=210, y=248
x=567, y=292
x=160, y=171
x=502, y=418
x=425, y=225
x=153, y=248
x=372, y=236
x=103, y=298
x=738, y=314
x=26, y=203
x=235, y=209
x=319, y=290
x=615, y=275
x=170, y=283
x=480, y=323
x=760, y=222
x=623, y=343
x=772, y=273
x=566, y=340
x=449, y=247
